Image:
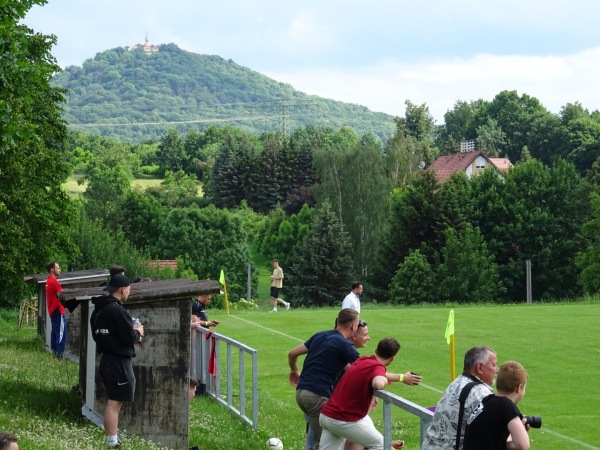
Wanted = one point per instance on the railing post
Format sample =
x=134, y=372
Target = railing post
x=200, y=359
x=425, y=416
x=387, y=424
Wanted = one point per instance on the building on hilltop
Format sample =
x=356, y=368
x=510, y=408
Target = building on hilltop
x=147, y=46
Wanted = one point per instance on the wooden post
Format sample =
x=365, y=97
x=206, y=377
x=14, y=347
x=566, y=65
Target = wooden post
x=249, y=289
x=528, y=279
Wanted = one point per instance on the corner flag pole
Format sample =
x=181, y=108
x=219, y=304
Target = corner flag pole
x=449, y=335
x=222, y=281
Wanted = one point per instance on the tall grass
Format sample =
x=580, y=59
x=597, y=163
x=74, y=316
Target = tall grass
x=559, y=345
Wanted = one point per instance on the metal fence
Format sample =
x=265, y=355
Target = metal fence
x=206, y=347
x=390, y=400
x=210, y=368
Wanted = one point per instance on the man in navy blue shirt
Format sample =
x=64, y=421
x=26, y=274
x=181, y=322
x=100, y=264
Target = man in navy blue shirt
x=329, y=353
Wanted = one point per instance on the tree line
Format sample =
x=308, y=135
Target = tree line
x=331, y=204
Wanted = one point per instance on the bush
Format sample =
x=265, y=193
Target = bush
x=242, y=305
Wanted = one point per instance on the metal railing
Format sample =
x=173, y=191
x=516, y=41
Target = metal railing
x=390, y=399
x=203, y=351
x=206, y=354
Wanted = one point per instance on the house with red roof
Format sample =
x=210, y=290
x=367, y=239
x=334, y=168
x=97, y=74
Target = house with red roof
x=472, y=163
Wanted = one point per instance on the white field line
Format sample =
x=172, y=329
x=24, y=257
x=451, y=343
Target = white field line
x=545, y=430
x=570, y=439
x=268, y=329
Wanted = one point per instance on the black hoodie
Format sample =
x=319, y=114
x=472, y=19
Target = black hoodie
x=112, y=327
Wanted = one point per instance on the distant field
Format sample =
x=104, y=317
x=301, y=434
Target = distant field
x=72, y=188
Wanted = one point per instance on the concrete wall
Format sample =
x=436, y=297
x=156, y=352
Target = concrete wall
x=160, y=410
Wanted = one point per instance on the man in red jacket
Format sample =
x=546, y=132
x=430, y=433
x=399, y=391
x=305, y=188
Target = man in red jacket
x=343, y=416
x=56, y=310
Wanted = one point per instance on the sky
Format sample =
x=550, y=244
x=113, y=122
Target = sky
x=376, y=53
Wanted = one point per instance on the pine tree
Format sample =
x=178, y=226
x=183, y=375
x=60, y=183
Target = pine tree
x=322, y=273
x=414, y=281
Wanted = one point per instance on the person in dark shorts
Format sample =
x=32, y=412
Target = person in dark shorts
x=276, y=285
x=115, y=336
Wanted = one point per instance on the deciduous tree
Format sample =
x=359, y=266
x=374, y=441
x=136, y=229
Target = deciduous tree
x=35, y=212
x=588, y=261
x=467, y=272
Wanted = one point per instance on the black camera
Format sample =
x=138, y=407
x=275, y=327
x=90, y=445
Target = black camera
x=533, y=421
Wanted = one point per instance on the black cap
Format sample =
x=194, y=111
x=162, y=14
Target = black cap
x=116, y=282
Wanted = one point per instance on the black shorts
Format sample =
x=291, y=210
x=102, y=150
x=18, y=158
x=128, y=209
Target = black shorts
x=117, y=373
x=274, y=292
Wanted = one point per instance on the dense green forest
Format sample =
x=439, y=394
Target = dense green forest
x=333, y=203
x=174, y=88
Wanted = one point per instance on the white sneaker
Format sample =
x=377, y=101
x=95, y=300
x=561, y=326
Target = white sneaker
x=273, y=310
x=287, y=306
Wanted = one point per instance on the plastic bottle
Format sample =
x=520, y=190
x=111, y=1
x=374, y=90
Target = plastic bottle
x=137, y=323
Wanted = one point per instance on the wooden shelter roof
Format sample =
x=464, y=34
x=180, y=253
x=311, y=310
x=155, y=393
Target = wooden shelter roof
x=147, y=290
x=76, y=274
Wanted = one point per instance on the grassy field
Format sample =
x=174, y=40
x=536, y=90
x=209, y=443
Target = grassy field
x=559, y=345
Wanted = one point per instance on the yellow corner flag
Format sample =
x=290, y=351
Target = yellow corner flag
x=222, y=281
x=449, y=335
x=449, y=325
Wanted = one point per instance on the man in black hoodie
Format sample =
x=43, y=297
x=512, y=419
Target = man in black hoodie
x=115, y=336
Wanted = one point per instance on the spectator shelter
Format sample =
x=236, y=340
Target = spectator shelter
x=160, y=410
x=76, y=279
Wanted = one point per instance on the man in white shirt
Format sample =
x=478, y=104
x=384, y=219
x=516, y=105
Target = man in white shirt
x=481, y=366
x=352, y=300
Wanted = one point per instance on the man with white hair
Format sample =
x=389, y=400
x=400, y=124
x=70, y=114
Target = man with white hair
x=447, y=429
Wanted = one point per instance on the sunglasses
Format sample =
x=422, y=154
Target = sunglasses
x=362, y=323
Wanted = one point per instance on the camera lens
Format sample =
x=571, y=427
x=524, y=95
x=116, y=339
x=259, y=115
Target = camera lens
x=533, y=421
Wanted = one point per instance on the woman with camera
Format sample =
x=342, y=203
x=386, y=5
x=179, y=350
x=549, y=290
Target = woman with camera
x=497, y=423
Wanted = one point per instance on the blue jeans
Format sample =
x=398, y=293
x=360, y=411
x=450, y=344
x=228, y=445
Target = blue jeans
x=58, y=335
x=310, y=435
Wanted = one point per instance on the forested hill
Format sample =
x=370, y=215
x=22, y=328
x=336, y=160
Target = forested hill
x=124, y=87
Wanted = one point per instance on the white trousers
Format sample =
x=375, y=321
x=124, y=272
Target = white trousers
x=363, y=432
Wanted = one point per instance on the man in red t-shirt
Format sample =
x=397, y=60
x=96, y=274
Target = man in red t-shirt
x=56, y=310
x=343, y=416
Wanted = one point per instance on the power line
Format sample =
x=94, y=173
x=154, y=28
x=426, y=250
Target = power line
x=286, y=107
x=174, y=122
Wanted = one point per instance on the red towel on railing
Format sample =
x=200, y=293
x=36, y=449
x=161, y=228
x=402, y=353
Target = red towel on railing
x=212, y=360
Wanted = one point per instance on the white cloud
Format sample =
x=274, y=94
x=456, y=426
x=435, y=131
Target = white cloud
x=553, y=80
x=376, y=53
